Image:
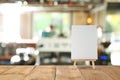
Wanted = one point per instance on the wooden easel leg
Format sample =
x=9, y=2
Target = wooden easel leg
x=75, y=61
x=93, y=64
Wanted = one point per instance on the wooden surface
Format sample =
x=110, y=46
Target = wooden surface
x=59, y=73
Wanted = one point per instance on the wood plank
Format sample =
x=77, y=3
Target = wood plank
x=59, y=73
x=42, y=73
x=16, y=73
x=4, y=68
x=112, y=71
x=68, y=73
x=93, y=74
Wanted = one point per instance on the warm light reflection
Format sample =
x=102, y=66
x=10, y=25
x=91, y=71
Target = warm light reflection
x=14, y=59
x=25, y=3
x=89, y=20
x=26, y=58
x=99, y=32
x=109, y=18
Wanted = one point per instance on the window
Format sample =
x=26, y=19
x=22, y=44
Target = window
x=42, y=20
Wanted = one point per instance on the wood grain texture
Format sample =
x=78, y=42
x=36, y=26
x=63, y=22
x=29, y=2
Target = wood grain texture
x=93, y=74
x=4, y=68
x=42, y=73
x=111, y=71
x=66, y=72
x=16, y=73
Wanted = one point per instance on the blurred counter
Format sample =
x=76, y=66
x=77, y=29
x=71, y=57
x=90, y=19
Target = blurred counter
x=54, y=45
x=54, y=51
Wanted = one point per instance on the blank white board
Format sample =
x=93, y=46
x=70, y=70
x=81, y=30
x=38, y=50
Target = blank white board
x=84, y=42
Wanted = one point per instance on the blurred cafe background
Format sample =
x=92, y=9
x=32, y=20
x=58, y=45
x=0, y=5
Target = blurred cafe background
x=37, y=32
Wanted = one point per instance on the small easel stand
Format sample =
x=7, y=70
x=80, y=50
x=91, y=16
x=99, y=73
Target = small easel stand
x=93, y=62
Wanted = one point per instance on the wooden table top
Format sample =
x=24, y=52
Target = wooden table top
x=66, y=72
